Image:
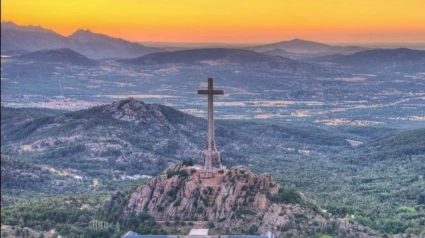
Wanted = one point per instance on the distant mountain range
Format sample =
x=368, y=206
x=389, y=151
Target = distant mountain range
x=301, y=48
x=93, y=45
x=225, y=58
x=57, y=56
x=15, y=52
x=211, y=54
x=287, y=54
x=20, y=40
x=380, y=60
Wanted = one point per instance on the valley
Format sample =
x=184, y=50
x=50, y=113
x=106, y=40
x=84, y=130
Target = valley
x=275, y=94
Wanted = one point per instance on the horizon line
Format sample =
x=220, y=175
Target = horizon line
x=253, y=43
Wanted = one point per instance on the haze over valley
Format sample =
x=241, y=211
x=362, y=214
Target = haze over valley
x=371, y=87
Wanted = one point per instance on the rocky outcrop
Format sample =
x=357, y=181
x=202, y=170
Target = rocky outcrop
x=135, y=111
x=235, y=200
x=182, y=193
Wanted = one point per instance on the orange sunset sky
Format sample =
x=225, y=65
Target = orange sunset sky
x=232, y=21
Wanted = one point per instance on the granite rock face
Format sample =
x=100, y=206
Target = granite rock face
x=132, y=110
x=181, y=192
x=234, y=200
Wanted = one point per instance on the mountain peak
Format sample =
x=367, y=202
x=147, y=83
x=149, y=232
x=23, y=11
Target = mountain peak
x=88, y=35
x=82, y=31
x=13, y=26
x=301, y=46
x=138, y=112
x=132, y=110
x=84, y=34
x=8, y=23
x=299, y=40
x=85, y=41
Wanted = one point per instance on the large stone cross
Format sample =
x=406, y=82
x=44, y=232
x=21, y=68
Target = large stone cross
x=211, y=158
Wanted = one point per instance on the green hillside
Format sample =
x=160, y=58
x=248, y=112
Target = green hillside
x=112, y=147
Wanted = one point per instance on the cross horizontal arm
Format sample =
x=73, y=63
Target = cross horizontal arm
x=213, y=92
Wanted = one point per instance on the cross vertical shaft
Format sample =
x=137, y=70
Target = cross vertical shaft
x=211, y=155
x=211, y=138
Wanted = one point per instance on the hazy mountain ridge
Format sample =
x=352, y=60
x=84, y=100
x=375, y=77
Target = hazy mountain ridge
x=35, y=38
x=199, y=55
x=57, y=56
x=31, y=38
x=31, y=28
x=284, y=53
x=306, y=48
x=16, y=52
x=387, y=60
x=228, y=58
x=93, y=43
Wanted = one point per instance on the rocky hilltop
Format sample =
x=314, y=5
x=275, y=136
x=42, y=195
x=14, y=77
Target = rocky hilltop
x=235, y=200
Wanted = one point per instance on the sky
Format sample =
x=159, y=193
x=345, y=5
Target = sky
x=228, y=21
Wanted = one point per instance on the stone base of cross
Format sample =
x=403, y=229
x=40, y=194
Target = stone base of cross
x=211, y=160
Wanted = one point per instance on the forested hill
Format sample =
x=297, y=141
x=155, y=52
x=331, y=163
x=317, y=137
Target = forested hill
x=404, y=143
x=382, y=183
x=142, y=138
x=103, y=148
x=131, y=138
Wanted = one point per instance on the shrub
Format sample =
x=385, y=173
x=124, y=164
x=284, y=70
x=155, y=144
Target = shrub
x=211, y=225
x=407, y=209
x=188, y=162
x=171, y=174
x=200, y=210
x=252, y=229
x=300, y=216
x=205, y=200
x=287, y=195
x=177, y=203
x=183, y=174
x=172, y=193
x=244, y=212
x=421, y=199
